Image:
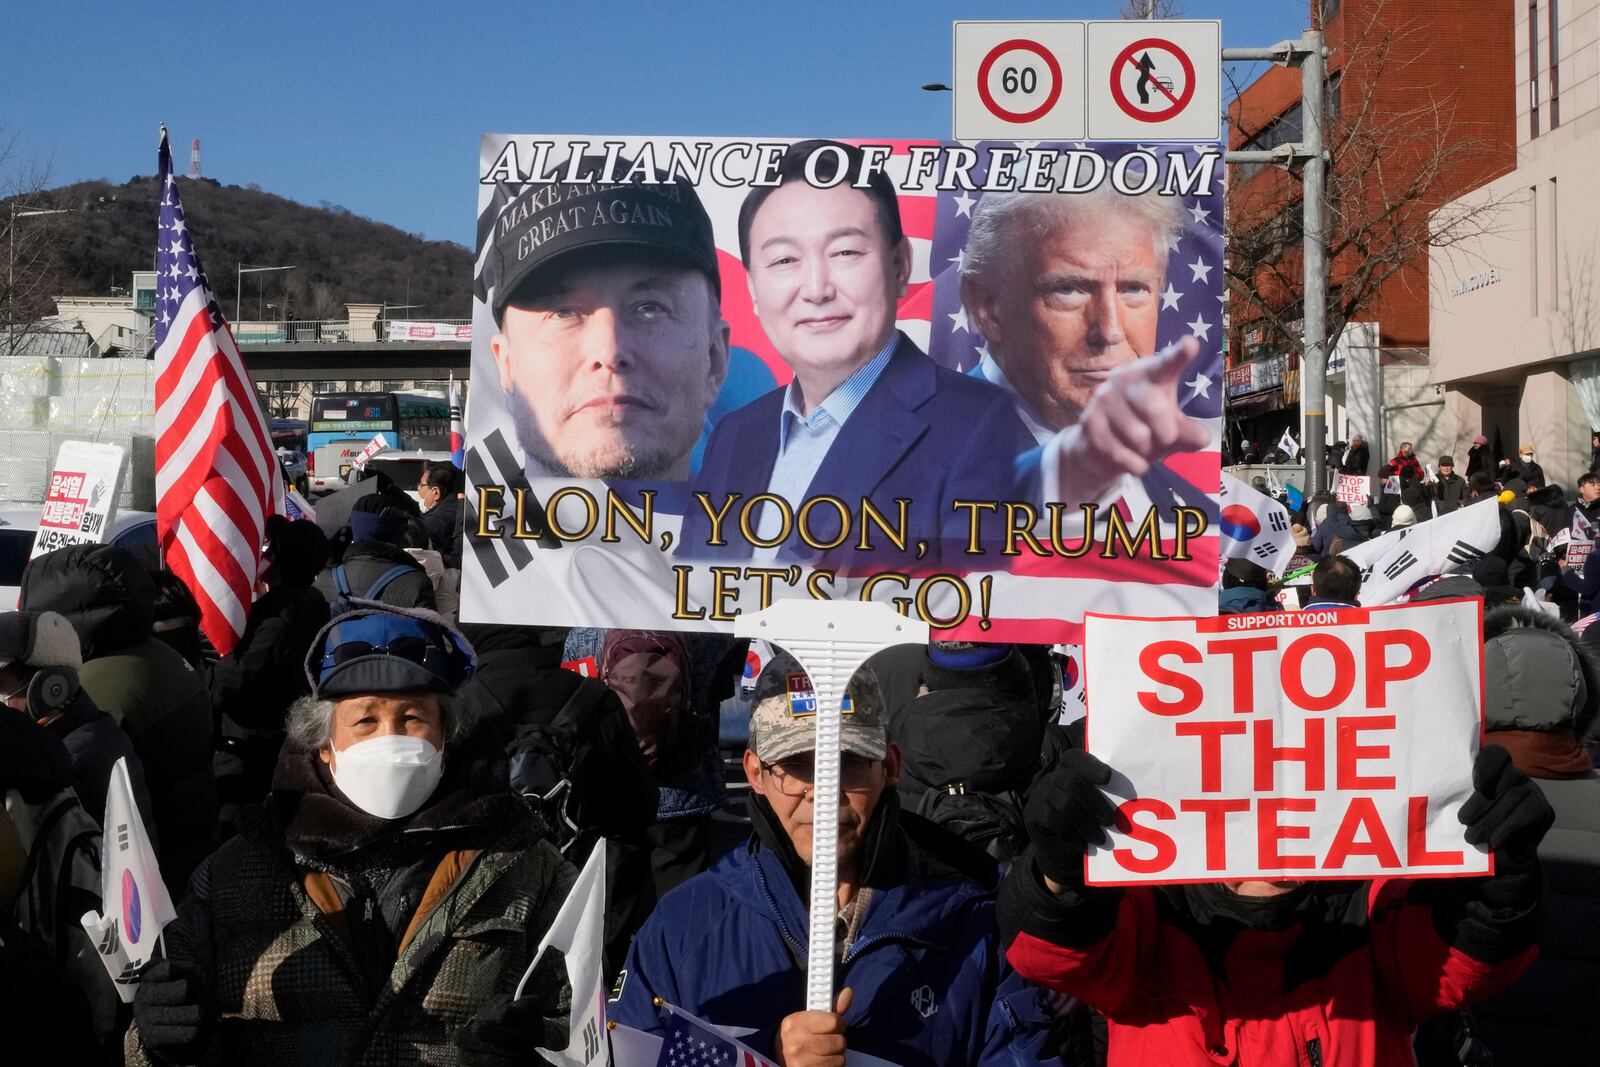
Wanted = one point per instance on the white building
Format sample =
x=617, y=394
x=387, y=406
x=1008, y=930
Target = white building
x=1515, y=312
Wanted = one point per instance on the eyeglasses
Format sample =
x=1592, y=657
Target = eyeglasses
x=412, y=649
x=797, y=777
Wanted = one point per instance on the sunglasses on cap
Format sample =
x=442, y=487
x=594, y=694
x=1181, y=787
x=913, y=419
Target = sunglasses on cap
x=435, y=649
x=415, y=649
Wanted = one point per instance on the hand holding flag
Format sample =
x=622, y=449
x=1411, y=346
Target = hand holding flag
x=133, y=899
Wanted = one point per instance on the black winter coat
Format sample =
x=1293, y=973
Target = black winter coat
x=367, y=561
x=443, y=524
x=1356, y=459
x=95, y=742
x=1478, y=460
x=519, y=683
x=1449, y=493
x=150, y=690
x=253, y=686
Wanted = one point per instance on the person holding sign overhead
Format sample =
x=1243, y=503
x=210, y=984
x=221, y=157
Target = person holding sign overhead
x=1272, y=970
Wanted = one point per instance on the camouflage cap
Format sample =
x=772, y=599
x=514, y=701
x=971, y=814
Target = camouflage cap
x=784, y=721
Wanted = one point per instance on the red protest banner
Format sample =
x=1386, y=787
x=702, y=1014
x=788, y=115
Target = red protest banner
x=1308, y=745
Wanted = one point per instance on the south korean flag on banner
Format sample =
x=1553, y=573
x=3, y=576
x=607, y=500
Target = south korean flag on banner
x=1254, y=527
x=1392, y=564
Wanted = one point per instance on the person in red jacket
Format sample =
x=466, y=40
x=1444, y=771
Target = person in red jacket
x=1326, y=974
x=1406, y=460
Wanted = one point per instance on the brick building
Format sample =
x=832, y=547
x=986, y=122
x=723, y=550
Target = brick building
x=1418, y=111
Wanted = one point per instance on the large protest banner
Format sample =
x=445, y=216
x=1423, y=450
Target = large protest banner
x=1295, y=745
x=712, y=373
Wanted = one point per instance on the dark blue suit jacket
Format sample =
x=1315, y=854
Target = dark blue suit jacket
x=922, y=433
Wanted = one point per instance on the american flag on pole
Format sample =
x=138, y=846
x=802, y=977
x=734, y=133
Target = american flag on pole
x=216, y=476
x=691, y=1042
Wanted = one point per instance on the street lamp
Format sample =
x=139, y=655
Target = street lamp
x=238, y=284
x=11, y=267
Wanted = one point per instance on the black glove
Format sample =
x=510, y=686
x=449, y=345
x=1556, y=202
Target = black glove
x=507, y=1031
x=1066, y=813
x=1506, y=811
x=174, y=1013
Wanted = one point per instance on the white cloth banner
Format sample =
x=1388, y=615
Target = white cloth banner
x=1352, y=489
x=133, y=898
x=1580, y=543
x=1313, y=744
x=1392, y=564
x=578, y=932
x=374, y=446
x=1254, y=527
x=406, y=330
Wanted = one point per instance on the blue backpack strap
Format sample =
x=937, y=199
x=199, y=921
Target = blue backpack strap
x=399, y=570
x=341, y=581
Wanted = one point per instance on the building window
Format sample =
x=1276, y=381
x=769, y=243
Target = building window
x=1555, y=63
x=1285, y=129
x=1533, y=68
x=1330, y=8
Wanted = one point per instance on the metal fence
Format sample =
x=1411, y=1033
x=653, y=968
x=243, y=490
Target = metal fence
x=330, y=331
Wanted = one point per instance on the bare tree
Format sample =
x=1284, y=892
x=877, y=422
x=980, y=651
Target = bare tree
x=1400, y=153
x=31, y=234
x=1151, y=9
x=284, y=399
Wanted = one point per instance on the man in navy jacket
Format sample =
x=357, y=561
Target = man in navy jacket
x=919, y=967
x=867, y=416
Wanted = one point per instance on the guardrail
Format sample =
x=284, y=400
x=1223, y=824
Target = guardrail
x=332, y=331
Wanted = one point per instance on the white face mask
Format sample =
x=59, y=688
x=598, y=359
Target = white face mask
x=389, y=776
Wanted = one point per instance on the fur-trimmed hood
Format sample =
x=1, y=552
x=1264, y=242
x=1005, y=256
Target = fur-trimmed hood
x=1539, y=675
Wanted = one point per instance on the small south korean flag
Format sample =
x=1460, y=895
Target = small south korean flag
x=1254, y=527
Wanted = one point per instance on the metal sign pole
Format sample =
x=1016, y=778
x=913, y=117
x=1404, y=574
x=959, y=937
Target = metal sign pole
x=1308, y=54
x=830, y=639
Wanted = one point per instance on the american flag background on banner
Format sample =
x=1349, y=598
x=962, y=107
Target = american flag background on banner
x=216, y=472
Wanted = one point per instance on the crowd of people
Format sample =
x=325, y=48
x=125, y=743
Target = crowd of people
x=368, y=816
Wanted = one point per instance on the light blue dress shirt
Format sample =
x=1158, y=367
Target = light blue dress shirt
x=804, y=440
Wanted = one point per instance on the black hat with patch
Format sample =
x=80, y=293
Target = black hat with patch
x=550, y=220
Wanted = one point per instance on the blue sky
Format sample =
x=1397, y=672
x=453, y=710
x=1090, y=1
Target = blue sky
x=378, y=106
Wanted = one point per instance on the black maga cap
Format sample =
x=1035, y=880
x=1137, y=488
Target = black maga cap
x=549, y=220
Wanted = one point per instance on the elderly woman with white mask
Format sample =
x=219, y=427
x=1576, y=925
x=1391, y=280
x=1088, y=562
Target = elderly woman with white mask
x=385, y=902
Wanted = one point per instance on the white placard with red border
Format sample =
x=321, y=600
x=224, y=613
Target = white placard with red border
x=81, y=499
x=1155, y=80
x=1018, y=80
x=1352, y=488
x=1300, y=745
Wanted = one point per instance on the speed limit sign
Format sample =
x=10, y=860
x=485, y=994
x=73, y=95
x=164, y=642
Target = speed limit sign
x=1019, y=80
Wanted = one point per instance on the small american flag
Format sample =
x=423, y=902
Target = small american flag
x=216, y=475
x=693, y=1043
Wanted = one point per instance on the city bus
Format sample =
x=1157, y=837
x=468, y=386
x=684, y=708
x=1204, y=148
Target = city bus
x=342, y=424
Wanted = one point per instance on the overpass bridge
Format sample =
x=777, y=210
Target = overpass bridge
x=354, y=349
x=344, y=361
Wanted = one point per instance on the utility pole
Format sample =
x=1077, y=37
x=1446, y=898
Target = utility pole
x=1308, y=54
x=238, y=279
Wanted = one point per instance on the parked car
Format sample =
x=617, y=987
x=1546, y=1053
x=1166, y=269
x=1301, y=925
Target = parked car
x=403, y=468
x=133, y=530
x=295, y=469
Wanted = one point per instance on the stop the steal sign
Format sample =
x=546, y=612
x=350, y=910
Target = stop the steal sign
x=1294, y=745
